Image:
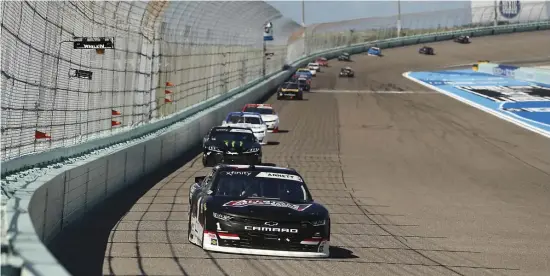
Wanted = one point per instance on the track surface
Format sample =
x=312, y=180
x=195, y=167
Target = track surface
x=418, y=184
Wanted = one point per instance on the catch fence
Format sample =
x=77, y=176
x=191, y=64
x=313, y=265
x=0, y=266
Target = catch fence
x=335, y=34
x=167, y=56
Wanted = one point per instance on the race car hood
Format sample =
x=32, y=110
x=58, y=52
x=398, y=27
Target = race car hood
x=269, y=117
x=255, y=128
x=263, y=209
x=234, y=146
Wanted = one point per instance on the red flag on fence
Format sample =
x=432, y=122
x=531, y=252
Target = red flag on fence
x=169, y=84
x=115, y=112
x=115, y=123
x=166, y=100
x=167, y=91
x=41, y=135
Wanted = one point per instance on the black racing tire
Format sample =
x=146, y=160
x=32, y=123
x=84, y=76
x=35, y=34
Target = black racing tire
x=205, y=162
x=189, y=226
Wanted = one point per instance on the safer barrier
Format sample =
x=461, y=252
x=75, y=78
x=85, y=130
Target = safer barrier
x=515, y=72
x=40, y=208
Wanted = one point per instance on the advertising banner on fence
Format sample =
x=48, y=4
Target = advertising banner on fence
x=509, y=11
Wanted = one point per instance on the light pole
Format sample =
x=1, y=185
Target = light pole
x=304, y=26
x=398, y=18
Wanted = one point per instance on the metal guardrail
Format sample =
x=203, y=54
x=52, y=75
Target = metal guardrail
x=357, y=48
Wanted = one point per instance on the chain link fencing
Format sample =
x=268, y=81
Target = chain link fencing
x=335, y=34
x=167, y=56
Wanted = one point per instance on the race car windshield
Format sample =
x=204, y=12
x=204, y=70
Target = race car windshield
x=291, y=86
x=252, y=120
x=244, y=120
x=232, y=136
x=260, y=110
x=242, y=186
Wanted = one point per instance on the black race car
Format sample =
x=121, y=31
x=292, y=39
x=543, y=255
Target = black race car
x=464, y=39
x=426, y=50
x=231, y=145
x=346, y=72
x=344, y=57
x=257, y=210
x=304, y=84
x=290, y=90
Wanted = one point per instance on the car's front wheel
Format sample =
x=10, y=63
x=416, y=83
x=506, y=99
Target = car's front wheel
x=205, y=160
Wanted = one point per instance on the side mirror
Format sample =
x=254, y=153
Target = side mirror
x=199, y=179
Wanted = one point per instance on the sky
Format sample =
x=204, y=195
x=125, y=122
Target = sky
x=329, y=11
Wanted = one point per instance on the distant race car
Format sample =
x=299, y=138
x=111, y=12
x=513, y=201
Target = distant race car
x=374, y=51
x=304, y=84
x=304, y=71
x=322, y=61
x=231, y=145
x=257, y=210
x=426, y=50
x=344, y=57
x=463, y=39
x=248, y=120
x=290, y=90
x=314, y=66
x=269, y=116
x=347, y=72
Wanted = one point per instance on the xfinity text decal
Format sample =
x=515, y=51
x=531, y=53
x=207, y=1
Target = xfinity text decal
x=267, y=203
x=232, y=173
x=280, y=176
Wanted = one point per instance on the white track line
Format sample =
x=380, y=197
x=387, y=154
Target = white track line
x=372, y=92
x=481, y=107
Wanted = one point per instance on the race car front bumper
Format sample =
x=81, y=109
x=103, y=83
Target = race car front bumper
x=235, y=158
x=260, y=135
x=272, y=126
x=232, y=243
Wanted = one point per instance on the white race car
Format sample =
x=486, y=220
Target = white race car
x=269, y=116
x=314, y=66
x=250, y=120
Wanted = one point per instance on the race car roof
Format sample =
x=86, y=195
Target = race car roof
x=267, y=106
x=258, y=168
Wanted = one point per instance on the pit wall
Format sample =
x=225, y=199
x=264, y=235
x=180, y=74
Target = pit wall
x=519, y=73
x=42, y=207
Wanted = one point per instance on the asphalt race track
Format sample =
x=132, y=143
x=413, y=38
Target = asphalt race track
x=417, y=183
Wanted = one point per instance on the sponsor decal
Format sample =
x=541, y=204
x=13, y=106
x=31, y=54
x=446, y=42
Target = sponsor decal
x=509, y=9
x=503, y=93
x=81, y=74
x=214, y=242
x=236, y=173
x=280, y=176
x=267, y=203
x=271, y=229
x=505, y=70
